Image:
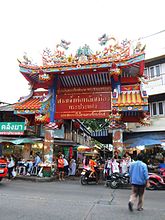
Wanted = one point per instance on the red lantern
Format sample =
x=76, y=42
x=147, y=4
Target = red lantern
x=116, y=77
x=60, y=123
x=76, y=125
x=115, y=72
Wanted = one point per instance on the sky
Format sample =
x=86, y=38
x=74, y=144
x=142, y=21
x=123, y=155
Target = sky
x=32, y=25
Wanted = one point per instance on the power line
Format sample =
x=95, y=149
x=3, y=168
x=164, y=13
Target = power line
x=159, y=32
x=6, y=103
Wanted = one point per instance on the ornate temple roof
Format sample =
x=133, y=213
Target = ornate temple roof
x=31, y=103
x=86, y=67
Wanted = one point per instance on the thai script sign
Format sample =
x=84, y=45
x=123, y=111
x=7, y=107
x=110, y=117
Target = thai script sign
x=12, y=128
x=83, y=103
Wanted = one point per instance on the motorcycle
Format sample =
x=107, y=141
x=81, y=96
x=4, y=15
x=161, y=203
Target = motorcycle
x=156, y=182
x=162, y=173
x=117, y=180
x=86, y=178
x=108, y=180
x=3, y=168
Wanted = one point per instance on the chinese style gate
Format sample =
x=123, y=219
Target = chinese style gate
x=105, y=84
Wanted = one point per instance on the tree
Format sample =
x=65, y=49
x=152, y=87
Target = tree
x=95, y=124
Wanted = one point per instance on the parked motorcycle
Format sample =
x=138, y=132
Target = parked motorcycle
x=117, y=180
x=108, y=180
x=86, y=178
x=156, y=182
x=162, y=173
x=3, y=168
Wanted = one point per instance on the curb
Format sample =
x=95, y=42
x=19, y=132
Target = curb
x=35, y=179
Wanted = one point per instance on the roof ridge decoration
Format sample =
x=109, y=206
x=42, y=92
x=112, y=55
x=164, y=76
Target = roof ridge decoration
x=46, y=98
x=113, y=52
x=25, y=98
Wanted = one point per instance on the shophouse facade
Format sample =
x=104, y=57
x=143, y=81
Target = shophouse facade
x=16, y=137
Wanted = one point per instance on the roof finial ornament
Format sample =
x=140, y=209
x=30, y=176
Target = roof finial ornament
x=139, y=48
x=26, y=60
x=104, y=39
x=64, y=44
x=84, y=53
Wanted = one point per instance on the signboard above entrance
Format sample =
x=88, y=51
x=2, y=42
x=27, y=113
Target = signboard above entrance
x=90, y=102
x=12, y=128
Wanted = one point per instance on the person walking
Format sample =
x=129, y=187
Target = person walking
x=10, y=167
x=72, y=167
x=66, y=166
x=139, y=180
x=60, y=165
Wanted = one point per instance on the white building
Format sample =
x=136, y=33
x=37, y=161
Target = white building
x=155, y=87
x=136, y=134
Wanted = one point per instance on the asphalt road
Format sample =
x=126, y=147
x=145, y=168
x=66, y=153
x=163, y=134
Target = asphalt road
x=24, y=200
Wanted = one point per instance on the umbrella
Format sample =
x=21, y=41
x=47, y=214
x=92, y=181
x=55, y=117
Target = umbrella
x=83, y=148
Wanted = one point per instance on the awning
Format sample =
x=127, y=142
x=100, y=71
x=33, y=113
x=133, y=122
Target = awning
x=20, y=140
x=83, y=148
x=144, y=138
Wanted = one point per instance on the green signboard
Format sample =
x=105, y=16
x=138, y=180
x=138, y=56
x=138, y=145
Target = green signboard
x=12, y=128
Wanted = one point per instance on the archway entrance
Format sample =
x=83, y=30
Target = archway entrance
x=108, y=85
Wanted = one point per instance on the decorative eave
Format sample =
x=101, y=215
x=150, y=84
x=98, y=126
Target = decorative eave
x=130, y=100
x=84, y=73
x=35, y=103
x=85, y=65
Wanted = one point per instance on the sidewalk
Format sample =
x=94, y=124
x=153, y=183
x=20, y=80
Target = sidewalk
x=43, y=179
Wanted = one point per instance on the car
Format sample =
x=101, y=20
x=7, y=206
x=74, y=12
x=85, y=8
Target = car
x=3, y=168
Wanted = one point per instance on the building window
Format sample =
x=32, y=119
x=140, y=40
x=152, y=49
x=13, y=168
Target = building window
x=154, y=112
x=160, y=108
x=157, y=108
x=154, y=71
x=146, y=72
x=157, y=70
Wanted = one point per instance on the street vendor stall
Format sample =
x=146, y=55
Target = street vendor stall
x=46, y=169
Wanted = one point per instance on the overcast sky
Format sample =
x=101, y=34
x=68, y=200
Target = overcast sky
x=33, y=25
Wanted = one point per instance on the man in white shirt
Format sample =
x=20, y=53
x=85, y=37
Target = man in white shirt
x=10, y=167
x=66, y=166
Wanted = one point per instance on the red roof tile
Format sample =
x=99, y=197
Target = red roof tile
x=31, y=104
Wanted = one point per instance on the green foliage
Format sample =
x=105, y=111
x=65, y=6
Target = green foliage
x=94, y=124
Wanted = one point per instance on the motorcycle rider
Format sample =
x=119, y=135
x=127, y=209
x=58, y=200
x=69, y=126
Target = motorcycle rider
x=92, y=165
x=86, y=163
x=93, y=168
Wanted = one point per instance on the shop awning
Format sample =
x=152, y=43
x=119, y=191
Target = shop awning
x=144, y=138
x=20, y=140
